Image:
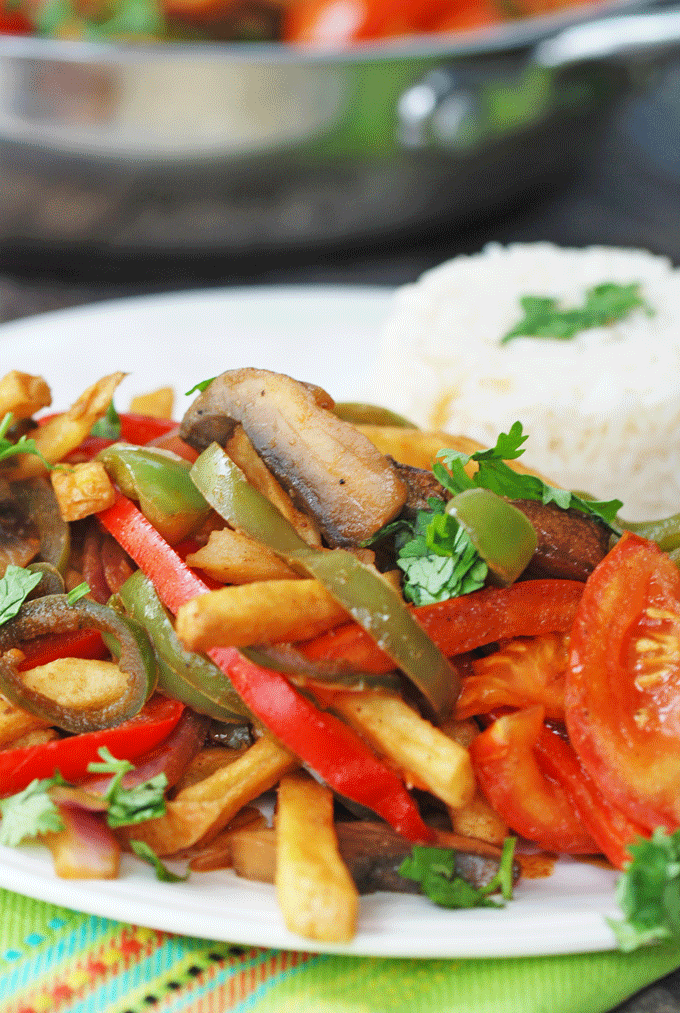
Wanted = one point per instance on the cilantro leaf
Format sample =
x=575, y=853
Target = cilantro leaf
x=15, y=587
x=435, y=870
x=22, y=446
x=494, y=474
x=108, y=426
x=30, y=812
x=143, y=851
x=129, y=805
x=648, y=892
x=78, y=592
x=437, y=557
x=200, y=386
x=604, y=303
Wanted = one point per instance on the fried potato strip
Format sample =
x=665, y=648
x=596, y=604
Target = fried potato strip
x=159, y=403
x=65, y=432
x=23, y=394
x=200, y=812
x=477, y=818
x=233, y=558
x=424, y=753
x=265, y=612
x=316, y=894
x=16, y=722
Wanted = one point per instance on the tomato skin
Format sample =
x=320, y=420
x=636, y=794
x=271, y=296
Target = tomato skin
x=522, y=673
x=623, y=682
x=467, y=15
x=509, y=775
x=70, y=756
x=611, y=830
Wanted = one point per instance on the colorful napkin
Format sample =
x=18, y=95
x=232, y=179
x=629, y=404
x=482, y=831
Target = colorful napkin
x=54, y=960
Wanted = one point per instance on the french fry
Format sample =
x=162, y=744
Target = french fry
x=77, y=682
x=253, y=853
x=23, y=394
x=218, y=854
x=65, y=432
x=316, y=894
x=427, y=756
x=82, y=490
x=265, y=612
x=241, y=451
x=477, y=818
x=201, y=811
x=16, y=722
x=233, y=558
x=419, y=447
x=416, y=447
x=158, y=403
x=35, y=738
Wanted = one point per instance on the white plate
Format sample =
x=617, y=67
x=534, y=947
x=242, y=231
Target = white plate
x=328, y=336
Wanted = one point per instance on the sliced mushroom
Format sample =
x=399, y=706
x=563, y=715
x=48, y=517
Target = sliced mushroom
x=373, y=852
x=570, y=543
x=19, y=536
x=332, y=471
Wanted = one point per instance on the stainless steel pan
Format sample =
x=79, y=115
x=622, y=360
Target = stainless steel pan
x=238, y=149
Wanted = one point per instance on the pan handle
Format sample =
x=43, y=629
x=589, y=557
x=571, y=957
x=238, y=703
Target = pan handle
x=650, y=36
x=445, y=110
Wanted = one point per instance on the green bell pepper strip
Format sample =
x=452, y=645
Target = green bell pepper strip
x=502, y=535
x=359, y=413
x=369, y=599
x=36, y=499
x=162, y=485
x=183, y=675
x=665, y=531
x=320, y=739
x=53, y=614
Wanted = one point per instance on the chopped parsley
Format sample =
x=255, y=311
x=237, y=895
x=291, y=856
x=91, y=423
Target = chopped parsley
x=147, y=854
x=605, y=303
x=438, y=559
x=435, y=870
x=494, y=474
x=23, y=445
x=648, y=892
x=200, y=386
x=30, y=812
x=108, y=426
x=15, y=586
x=78, y=592
x=129, y=805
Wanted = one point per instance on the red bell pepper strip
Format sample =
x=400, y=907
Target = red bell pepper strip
x=330, y=747
x=76, y=644
x=70, y=756
x=526, y=609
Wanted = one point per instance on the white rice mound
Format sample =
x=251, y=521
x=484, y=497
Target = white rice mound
x=602, y=410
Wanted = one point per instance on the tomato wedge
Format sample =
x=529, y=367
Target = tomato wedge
x=509, y=775
x=623, y=682
x=524, y=672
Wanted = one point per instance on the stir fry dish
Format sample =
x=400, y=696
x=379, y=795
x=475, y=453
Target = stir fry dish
x=429, y=656
x=309, y=22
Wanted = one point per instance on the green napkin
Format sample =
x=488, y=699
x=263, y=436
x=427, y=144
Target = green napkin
x=54, y=960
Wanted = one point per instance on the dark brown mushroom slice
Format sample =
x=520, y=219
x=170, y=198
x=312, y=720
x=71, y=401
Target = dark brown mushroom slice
x=330, y=469
x=422, y=486
x=570, y=542
x=373, y=852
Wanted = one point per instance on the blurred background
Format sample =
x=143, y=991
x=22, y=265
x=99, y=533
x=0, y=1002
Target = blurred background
x=146, y=166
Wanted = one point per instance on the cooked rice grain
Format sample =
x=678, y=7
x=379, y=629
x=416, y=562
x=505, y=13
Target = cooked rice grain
x=602, y=410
